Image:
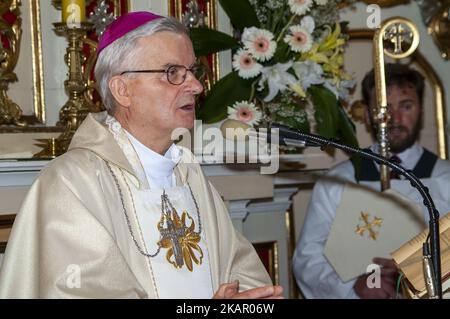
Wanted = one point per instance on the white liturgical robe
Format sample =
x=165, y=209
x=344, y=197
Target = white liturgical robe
x=72, y=238
x=315, y=275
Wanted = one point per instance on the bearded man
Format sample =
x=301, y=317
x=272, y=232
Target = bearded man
x=314, y=274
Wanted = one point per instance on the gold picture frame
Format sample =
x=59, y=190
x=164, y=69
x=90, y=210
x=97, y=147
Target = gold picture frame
x=6, y=223
x=33, y=61
x=386, y=3
x=268, y=253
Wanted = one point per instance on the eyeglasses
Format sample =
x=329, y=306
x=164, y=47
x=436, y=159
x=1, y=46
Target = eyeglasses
x=176, y=74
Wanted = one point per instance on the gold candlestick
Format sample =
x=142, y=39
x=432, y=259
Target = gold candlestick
x=76, y=108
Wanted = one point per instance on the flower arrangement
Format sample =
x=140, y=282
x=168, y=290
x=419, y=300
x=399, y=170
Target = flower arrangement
x=287, y=66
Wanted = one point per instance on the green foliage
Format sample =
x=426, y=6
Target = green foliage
x=327, y=110
x=229, y=89
x=240, y=12
x=207, y=41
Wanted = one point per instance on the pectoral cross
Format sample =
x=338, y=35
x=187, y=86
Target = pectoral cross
x=178, y=236
x=368, y=226
x=174, y=234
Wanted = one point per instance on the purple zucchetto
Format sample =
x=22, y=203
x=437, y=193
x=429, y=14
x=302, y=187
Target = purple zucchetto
x=122, y=25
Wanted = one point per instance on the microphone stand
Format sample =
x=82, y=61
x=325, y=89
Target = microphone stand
x=289, y=136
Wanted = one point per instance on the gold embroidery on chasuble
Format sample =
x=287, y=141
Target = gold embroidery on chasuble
x=178, y=236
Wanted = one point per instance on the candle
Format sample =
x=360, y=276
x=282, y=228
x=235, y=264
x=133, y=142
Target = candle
x=73, y=12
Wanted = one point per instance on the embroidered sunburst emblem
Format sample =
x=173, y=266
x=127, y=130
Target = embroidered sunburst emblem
x=180, y=240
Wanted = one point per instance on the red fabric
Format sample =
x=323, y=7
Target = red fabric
x=397, y=160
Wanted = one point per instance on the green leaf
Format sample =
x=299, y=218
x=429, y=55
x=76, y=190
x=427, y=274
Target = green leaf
x=282, y=52
x=326, y=110
x=207, y=41
x=347, y=129
x=224, y=93
x=347, y=132
x=298, y=121
x=241, y=13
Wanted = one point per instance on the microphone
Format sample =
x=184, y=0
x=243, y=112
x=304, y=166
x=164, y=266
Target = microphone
x=284, y=135
x=292, y=137
x=274, y=134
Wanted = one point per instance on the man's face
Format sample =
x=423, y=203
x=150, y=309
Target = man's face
x=157, y=106
x=405, y=112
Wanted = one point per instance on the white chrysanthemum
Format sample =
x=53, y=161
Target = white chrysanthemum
x=299, y=39
x=321, y=2
x=245, y=112
x=246, y=66
x=300, y=7
x=259, y=43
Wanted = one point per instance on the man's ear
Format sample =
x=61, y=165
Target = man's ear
x=119, y=89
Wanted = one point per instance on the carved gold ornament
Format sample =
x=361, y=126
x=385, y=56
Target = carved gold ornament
x=10, y=112
x=386, y=3
x=439, y=28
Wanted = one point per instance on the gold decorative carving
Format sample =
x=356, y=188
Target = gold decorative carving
x=36, y=65
x=6, y=223
x=269, y=250
x=386, y=3
x=439, y=28
x=10, y=112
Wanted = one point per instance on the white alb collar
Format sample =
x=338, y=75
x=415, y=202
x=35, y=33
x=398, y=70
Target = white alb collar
x=154, y=164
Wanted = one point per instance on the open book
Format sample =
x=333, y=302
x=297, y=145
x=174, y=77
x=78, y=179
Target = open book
x=409, y=259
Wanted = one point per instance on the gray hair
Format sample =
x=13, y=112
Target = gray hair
x=121, y=55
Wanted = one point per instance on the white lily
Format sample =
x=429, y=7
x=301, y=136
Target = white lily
x=278, y=79
x=309, y=73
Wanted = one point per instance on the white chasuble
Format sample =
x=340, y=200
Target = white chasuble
x=169, y=281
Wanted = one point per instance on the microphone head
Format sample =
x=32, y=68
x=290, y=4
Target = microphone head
x=234, y=129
